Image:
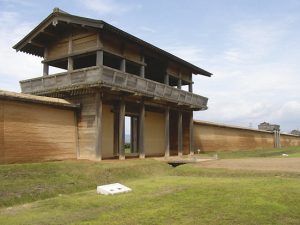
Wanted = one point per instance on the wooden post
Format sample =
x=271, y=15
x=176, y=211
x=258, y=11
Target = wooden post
x=116, y=131
x=166, y=79
x=99, y=58
x=191, y=87
x=142, y=69
x=45, y=69
x=70, y=50
x=76, y=135
x=179, y=83
x=70, y=64
x=167, y=132
x=179, y=134
x=98, y=147
x=134, y=134
x=141, y=130
x=122, y=129
x=279, y=143
x=191, y=131
x=123, y=65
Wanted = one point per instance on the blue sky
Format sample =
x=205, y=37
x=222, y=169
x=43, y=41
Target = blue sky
x=251, y=47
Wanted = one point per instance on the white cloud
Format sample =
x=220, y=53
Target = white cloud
x=15, y=66
x=109, y=6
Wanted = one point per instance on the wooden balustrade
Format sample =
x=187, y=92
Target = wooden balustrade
x=110, y=77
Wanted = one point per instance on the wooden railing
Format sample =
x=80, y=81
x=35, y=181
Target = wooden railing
x=112, y=78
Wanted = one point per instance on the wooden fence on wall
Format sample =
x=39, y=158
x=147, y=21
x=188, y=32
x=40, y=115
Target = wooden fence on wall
x=219, y=137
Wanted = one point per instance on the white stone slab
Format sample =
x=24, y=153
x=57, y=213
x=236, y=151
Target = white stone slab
x=111, y=189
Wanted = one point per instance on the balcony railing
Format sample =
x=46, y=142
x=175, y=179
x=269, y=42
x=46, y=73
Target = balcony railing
x=106, y=76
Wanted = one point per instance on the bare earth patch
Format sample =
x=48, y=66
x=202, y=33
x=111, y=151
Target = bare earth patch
x=267, y=164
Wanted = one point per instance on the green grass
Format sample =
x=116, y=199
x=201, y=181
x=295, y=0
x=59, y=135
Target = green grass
x=291, y=151
x=64, y=193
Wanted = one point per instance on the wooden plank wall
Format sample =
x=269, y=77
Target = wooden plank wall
x=36, y=132
x=208, y=137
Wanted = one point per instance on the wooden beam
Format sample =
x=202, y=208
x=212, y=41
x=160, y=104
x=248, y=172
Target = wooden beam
x=122, y=129
x=98, y=146
x=179, y=139
x=141, y=130
x=167, y=132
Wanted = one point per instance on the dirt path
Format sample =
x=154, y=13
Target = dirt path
x=267, y=164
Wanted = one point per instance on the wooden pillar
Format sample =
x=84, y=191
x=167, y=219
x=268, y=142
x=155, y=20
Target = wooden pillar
x=134, y=134
x=70, y=50
x=167, y=132
x=179, y=83
x=142, y=68
x=45, y=69
x=141, y=130
x=166, y=78
x=45, y=65
x=191, y=132
x=98, y=147
x=179, y=134
x=99, y=58
x=122, y=129
x=123, y=65
x=70, y=64
x=191, y=87
x=279, y=143
x=76, y=134
x=116, y=131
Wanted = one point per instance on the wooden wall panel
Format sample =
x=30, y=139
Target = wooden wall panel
x=84, y=41
x=112, y=44
x=154, y=133
x=289, y=140
x=107, y=132
x=2, y=150
x=132, y=53
x=59, y=48
x=216, y=138
x=35, y=132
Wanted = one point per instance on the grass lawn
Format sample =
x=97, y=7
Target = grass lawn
x=65, y=193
